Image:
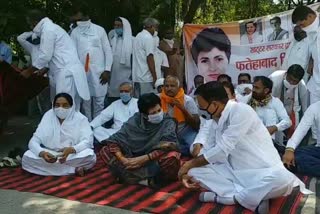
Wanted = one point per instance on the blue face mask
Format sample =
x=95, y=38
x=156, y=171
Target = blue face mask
x=119, y=31
x=125, y=97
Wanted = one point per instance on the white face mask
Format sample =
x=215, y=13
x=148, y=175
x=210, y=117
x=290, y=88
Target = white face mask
x=62, y=113
x=83, y=24
x=155, y=118
x=288, y=85
x=241, y=88
x=155, y=34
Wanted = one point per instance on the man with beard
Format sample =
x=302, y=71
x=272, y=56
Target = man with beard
x=270, y=109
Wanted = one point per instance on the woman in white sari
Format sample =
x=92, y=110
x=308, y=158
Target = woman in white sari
x=62, y=143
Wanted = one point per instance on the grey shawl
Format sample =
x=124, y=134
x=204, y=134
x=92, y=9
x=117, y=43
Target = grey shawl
x=138, y=136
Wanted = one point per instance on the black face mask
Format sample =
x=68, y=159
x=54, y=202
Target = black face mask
x=35, y=41
x=206, y=114
x=299, y=34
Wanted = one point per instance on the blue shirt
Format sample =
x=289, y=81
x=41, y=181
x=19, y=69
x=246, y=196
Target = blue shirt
x=5, y=52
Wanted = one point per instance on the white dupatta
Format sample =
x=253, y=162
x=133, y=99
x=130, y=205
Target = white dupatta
x=126, y=49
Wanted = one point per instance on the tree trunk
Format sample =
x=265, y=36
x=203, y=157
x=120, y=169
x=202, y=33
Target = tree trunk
x=194, y=5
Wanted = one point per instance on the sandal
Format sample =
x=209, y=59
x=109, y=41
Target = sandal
x=10, y=163
x=80, y=171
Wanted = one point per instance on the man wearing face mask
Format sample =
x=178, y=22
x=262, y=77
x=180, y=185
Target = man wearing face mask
x=308, y=20
x=144, y=73
x=270, y=109
x=144, y=150
x=121, y=44
x=59, y=52
x=95, y=53
x=298, y=52
x=242, y=167
x=119, y=111
x=182, y=108
x=290, y=88
x=244, y=88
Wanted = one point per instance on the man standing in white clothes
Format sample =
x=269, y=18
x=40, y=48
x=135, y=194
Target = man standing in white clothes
x=308, y=20
x=59, y=52
x=95, y=53
x=143, y=68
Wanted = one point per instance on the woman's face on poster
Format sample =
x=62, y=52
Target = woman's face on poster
x=211, y=64
x=250, y=28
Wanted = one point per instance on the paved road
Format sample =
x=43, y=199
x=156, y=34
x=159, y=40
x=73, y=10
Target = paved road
x=14, y=202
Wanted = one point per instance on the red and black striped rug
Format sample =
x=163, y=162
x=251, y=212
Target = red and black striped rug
x=99, y=187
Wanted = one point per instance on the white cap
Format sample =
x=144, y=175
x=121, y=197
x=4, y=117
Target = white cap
x=159, y=82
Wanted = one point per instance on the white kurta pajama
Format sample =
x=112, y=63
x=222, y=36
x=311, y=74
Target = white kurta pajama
x=92, y=40
x=143, y=46
x=243, y=163
x=119, y=112
x=121, y=70
x=313, y=85
x=298, y=53
x=33, y=51
x=52, y=136
x=296, y=99
x=58, y=50
x=275, y=114
x=160, y=58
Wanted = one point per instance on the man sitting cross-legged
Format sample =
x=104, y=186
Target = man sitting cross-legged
x=242, y=166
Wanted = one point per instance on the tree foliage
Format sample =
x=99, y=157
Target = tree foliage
x=169, y=12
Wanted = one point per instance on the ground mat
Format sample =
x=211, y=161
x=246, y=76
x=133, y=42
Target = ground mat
x=99, y=187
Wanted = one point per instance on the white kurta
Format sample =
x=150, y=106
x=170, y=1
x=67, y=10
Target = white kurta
x=93, y=40
x=119, y=113
x=33, y=51
x=299, y=95
x=275, y=114
x=52, y=136
x=311, y=117
x=243, y=161
x=298, y=53
x=143, y=46
x=58, y=50
x=160, y=60
x=206, y=133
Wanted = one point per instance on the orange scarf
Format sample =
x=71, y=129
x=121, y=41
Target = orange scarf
x=166, y=101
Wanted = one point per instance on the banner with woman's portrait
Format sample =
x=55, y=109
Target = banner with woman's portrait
x=256, y=46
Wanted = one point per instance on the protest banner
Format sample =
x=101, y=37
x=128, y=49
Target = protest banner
x=256, y=46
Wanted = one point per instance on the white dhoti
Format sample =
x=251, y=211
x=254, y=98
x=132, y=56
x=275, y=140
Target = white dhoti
x=37, y=165
x=247, y=187
x=102, y=134
x=92, y=108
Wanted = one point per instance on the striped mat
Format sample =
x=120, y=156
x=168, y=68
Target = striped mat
x=99, y=187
